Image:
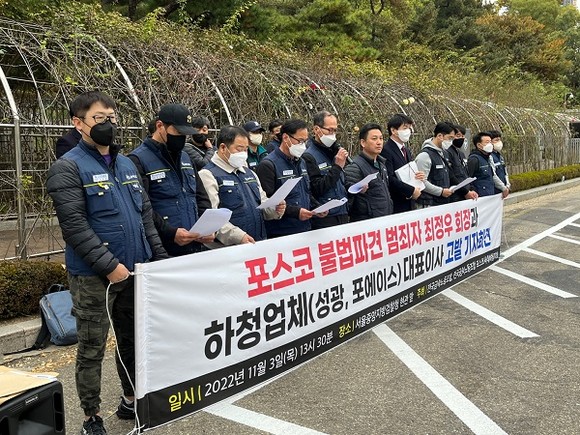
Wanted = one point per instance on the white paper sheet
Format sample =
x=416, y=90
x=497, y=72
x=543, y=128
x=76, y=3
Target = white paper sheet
x=333, y=203
x=407, y=175
x=280, y=194
x=357, y=187
x=211, y=220
x=463, y=183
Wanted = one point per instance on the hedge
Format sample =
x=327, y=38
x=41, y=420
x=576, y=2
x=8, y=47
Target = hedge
x=529, y=180
x=23, y=282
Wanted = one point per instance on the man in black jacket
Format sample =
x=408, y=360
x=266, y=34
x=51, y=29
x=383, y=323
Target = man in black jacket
x=374, y=199
x=458, y=160
x=106, y=221
x=325, y=162
x=397, y=154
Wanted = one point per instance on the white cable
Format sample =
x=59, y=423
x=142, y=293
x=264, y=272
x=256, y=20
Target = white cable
x=137, y=428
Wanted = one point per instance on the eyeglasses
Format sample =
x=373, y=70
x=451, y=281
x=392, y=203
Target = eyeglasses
x=330, y=130
x=300, y=141
x=101, y=119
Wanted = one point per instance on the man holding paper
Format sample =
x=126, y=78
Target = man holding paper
x=172, y=182
x=281, y=165
x=230, y=184
x=434, y=162
x=325, y=162
x=373, y=199
x=398, y=154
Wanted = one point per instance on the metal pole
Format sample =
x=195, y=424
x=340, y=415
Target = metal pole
x=21, y=247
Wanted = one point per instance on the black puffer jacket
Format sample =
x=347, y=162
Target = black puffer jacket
x=66, y=189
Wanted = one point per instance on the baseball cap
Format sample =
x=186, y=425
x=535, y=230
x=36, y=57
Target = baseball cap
x=177, y=115
x=252, y=126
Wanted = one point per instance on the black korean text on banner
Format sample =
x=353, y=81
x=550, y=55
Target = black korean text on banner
x=213, y=324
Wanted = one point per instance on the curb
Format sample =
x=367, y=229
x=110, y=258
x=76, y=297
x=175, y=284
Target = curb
x=540, y=191
x=21, y=335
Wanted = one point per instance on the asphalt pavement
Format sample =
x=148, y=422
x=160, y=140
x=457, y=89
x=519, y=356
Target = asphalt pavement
x=495, y=354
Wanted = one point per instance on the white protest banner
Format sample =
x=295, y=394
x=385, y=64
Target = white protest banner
x=212, y=324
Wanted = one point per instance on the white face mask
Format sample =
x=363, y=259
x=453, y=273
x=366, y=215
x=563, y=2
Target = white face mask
x=256, y=138
x=328, y=140
x=488, y=147
x=404, y=134
x=298, y=149
x=446, y=144
x=498, y=146
x=237, y=160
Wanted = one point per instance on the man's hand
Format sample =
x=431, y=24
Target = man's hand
x=247, y=239
x=505, y=193
x=206, y=239
x=184, y=237
x=364, y=189
x=416, y=193
x=321, y=215
x=472, y=194
x=281, y=208
x=305, y=214
x=121, y=273
x=419, y=175
x=446, y=193
x=207, y=144
x=340, y=158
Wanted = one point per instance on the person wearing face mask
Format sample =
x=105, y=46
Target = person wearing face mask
x=176, y=192
x=256, y=152
x=500, y=175
x=478, y=164
x=433, y=161
x=199, y=148
x=325, y=161
x=107, y=225
x=274, y=130
x=397, y=154
x=458, y=160
x=231, y=184
x=282, y=164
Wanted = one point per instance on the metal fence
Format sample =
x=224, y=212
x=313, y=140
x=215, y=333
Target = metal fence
x=41, y=71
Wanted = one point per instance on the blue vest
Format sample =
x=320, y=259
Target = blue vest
x=172, y=197
x=240, y=194
x=499, y=165
x=338, y=191
x=114, y=201
x=299, y=196
x=438, y=176
x=483, y=185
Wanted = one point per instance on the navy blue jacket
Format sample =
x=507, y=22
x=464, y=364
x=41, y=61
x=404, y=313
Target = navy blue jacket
x=500, y=170
x=275, y=170
x=239, y=192
x=478, y=166
x=104, y=214
x=173, y=188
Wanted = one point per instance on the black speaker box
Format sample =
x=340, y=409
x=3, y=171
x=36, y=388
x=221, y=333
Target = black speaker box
x=39, y=411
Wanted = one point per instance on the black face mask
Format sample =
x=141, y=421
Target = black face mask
x=458, y=143
x=175, y=143
x=103, y=134
x=199, y=138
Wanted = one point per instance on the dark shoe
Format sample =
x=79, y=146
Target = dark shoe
x=126, y=411
x=93, y=426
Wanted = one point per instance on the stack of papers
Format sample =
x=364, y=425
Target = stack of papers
x=407, y=175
